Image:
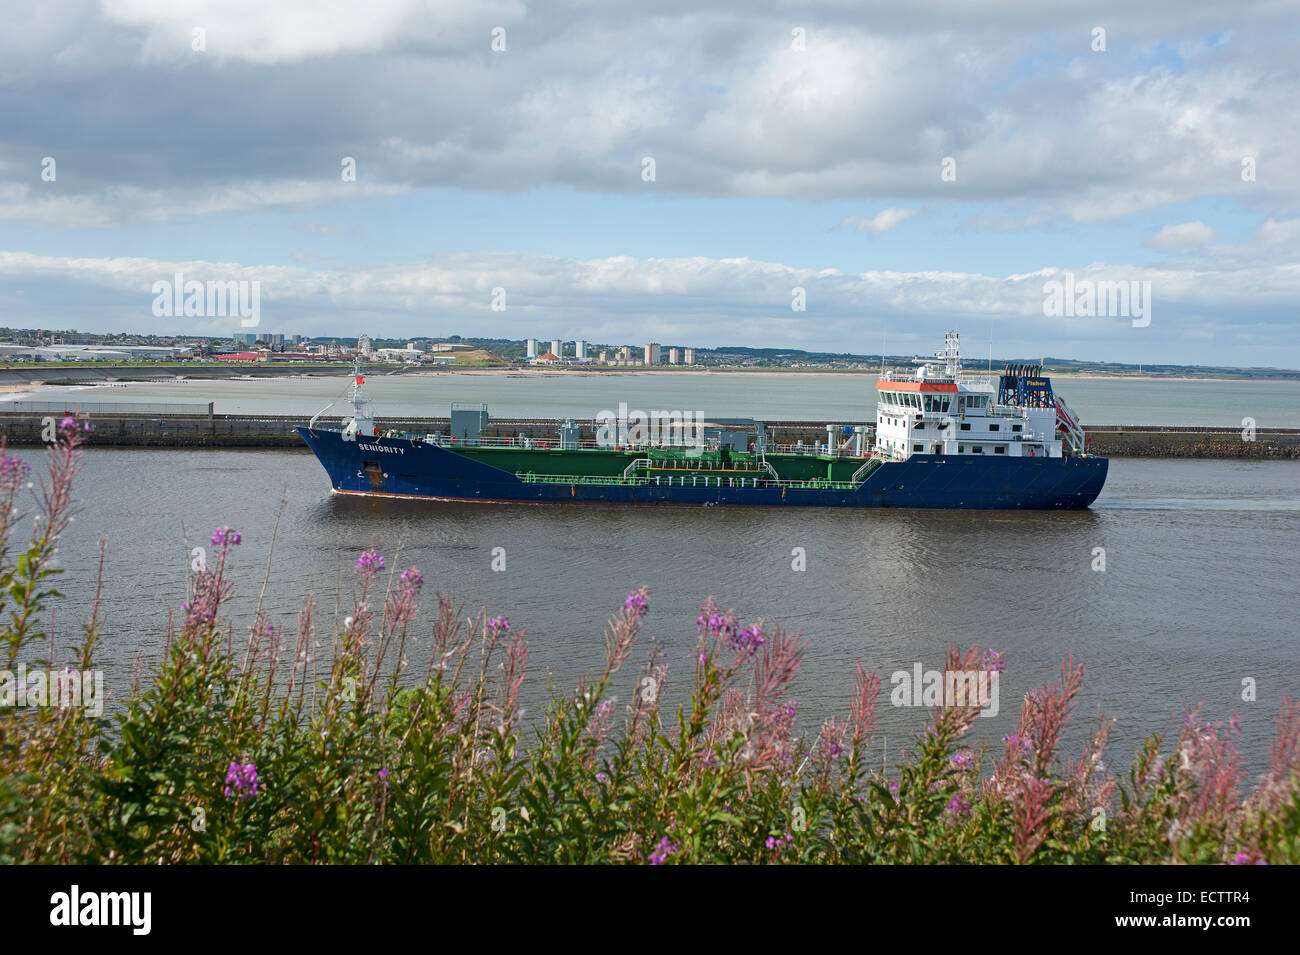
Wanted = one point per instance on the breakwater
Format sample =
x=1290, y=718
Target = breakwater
x=272, y=431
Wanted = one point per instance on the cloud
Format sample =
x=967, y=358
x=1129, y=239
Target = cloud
x=713, y=91
x=1179, y=238
x=881, y=222
x=695, y=300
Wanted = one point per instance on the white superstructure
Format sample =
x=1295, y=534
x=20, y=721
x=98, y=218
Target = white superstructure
x=939, y=409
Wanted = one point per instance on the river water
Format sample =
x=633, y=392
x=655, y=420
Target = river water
x=1198, y=592
x=771, y=396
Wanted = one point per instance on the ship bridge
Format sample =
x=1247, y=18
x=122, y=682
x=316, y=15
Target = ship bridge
x=937, y=409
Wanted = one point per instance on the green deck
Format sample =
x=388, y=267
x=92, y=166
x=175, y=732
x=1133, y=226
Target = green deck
x=681, y=466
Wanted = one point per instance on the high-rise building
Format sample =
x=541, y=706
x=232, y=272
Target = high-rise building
x=531, y=345
x=363, y=345
x=674, y=356
x=245, y=338
x=652, y=353
x=579, y=349
x=688, y=355
x=557, y=348
x=604, y=357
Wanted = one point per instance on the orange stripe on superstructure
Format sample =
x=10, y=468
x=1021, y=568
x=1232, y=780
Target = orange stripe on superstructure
x=914, y=386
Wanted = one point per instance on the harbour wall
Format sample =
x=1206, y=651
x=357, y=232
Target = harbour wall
x=248, y=431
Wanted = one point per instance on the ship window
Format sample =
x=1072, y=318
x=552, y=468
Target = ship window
x=976, y=449
x=961, y=449
x=918, y=447
x=1015, y=427
x=965, y=427
x=994, y=427
x=999, y=449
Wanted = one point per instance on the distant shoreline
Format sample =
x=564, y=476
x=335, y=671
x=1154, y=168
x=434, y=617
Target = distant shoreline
x=781, y=372
x=123, y=375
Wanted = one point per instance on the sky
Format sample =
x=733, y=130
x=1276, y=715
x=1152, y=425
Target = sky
x=839, y=176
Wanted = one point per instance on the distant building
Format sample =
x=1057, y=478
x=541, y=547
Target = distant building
x=363, y=346
x=652, y=356
x=557, y=348
x=625, y=353
x=420, y=345
x=245, y=338
x=688, y=355
x=604, y=357
x=531, y=346
x=548, y=358
x=674, y=356
x=272, y=339
x=580, y=349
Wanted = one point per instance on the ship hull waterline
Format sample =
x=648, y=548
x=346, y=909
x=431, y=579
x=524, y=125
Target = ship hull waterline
x=423, y=470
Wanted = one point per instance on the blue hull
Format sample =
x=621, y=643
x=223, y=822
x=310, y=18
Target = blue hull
x=420, y=469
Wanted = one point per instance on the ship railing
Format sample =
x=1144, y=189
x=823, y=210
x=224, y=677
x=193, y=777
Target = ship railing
x=909, y=374
x=697, y=481
x=1019, y=411
x=874, y=460
x=451, y=441
x=816, y=450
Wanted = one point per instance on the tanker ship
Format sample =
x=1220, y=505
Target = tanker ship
x=943, y=438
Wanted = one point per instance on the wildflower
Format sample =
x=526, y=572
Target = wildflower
x=369, y=562
x=745, y=643
x=68, y=422
x=602, y=777
x=498, y=623
x=993, y=662
x=776, y=845
x=963, y=760
x=958, y=806
x=412, y=579
x=715, y=624
x=224, y=536
x=1245, y=858
x=241, y=780
x=383, y=776
x=663, y=850
x=637, y=604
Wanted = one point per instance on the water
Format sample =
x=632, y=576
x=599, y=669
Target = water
x=1198, y=591
x=770, y=396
